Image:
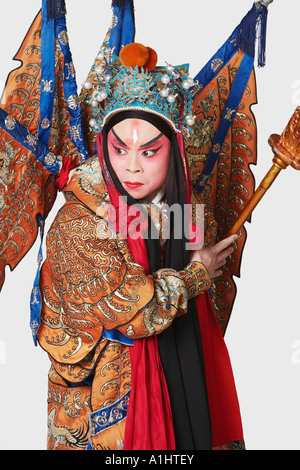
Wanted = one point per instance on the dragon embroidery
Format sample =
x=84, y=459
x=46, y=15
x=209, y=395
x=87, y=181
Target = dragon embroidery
x=74, y=438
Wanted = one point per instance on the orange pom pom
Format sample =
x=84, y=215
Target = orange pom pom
x=152, y=60
x=134, y=54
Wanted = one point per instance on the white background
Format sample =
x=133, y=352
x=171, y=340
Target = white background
x=263, y=336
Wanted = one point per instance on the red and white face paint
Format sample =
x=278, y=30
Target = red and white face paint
x=139, y=154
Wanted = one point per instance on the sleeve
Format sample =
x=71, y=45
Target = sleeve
x=88, y=283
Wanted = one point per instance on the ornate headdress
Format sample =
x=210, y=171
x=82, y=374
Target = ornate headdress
x=132, y=81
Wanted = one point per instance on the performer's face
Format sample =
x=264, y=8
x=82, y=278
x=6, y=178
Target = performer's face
x=139, y=155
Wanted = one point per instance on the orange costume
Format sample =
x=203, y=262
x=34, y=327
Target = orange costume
x=103, y=315
x=89, y=283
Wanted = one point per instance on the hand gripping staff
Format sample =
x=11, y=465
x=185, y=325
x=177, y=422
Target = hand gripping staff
x=286, y=149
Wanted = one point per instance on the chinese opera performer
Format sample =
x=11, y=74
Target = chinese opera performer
x=131, y=315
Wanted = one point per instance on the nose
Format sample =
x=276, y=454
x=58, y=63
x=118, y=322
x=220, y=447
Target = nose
x=133, y=165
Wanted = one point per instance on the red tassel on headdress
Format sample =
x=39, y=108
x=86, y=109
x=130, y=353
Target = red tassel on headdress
x=136, y=54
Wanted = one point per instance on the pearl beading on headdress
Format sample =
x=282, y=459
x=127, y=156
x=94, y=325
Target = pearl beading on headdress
x=165, y=91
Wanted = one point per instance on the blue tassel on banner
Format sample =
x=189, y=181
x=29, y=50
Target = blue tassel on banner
x=55, y=8
x=252, y=28
x=262, y=37
x=246, y=32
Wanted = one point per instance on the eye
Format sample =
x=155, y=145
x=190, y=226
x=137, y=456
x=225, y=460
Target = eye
x=150, y=153
x=119, y=150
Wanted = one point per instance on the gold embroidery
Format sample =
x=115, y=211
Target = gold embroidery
x=216, y=65
x=47, y=86
x=229, y=113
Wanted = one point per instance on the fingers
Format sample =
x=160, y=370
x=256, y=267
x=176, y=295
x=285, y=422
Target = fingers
x=214, y=257
x=223, y=244
x=221, y=258
x=224, y=250
x=217, y=274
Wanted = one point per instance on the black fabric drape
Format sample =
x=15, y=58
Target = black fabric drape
x=180, y=345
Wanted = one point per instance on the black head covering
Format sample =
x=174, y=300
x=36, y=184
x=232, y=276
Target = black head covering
x=180, y=345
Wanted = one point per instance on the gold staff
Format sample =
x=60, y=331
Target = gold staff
x=286, y=149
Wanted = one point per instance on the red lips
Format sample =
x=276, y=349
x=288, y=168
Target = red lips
x=131, y=185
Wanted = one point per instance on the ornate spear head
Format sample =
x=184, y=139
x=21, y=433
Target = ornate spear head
x=287, y=146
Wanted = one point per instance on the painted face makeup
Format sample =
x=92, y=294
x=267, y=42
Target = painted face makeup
x=139, y=154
